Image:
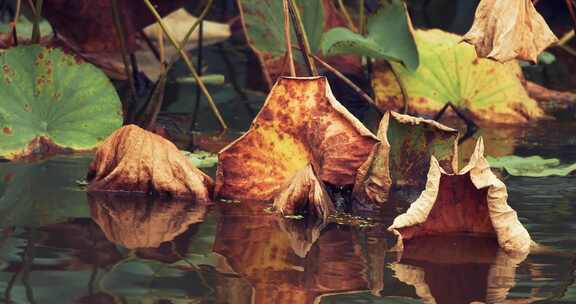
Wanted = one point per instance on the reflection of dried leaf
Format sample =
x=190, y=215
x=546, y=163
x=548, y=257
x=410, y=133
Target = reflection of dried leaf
x=303, y=234
x=505, y=30
x=472, y=201
x=266, y=255
x=135, y=160
x=300, y=123
x=465, y=269
x=403, y=155
x=143, y=222
x=304, y=193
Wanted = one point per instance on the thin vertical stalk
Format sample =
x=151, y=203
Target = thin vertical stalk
x=199, y=68
x=347, y=81
x=125, y=58
x=302, y=38
x=13, y=31
x=36, y=27
x=185, y=57
x=362, y=18
x=288, y=38
x=346, y=14
x=571, y=4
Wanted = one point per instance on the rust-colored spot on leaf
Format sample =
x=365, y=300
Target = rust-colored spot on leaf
x=27, y=107
x=8, y=177
x=7, y=130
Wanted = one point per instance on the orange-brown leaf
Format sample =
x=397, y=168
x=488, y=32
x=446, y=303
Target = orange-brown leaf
x=135, y=160
x=472, y=201
x=300, y=123
x=304, y=193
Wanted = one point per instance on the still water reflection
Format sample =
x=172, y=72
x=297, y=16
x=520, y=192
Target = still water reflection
x=58, y=245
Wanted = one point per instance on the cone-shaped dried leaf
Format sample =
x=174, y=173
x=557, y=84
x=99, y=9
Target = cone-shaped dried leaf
x=135, y=160
x=511, y=29
x=472, y=201
x=450, y=71
x=140, y=221
x=304, y=194
x=403, y=155
x=300, y=123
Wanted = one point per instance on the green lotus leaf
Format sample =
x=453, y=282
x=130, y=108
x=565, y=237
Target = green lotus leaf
x=264, y=21
x=389, y=37
x=450, y=71
x=52, y=99
x=532, y=166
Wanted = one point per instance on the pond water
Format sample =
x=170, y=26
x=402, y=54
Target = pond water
x=59, y=245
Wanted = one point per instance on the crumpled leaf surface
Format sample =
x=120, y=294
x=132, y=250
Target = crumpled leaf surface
x=506, y=30
x=402, y=156
x=390, y=36
x=135, y=160
x=304, y=193
x=51, y=102
x=472, y=201
x=300, y=123
x=465, y=269
x=450, y=71
x=532, y=166
x=143, y=222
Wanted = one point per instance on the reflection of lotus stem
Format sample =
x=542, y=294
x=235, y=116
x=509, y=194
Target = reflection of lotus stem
x=288, y=38
x=302, y=38
x=346, y=80
x=179, y=47
x=36, y=27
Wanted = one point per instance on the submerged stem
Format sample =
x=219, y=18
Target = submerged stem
x=182, y=52
x=302, y=38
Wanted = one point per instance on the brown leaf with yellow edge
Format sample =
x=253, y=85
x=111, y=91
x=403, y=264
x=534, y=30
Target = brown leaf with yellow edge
x=135, y=160
x=143, y=222
x=300, y=123
x=511, y=29
x=402, y=157
x=304, y=194
x=472, y=201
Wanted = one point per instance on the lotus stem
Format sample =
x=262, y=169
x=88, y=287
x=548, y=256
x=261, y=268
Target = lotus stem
x=405, y=97
x=13, y=31
x=288, y=38
x=362, y=18
x=36, y=27
x=127, y=67
x=567, y=37
x=570, y=4
x=182, y=52
x=302, y=38
x=199, y=68
x=347, y=16
x=346, y=80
